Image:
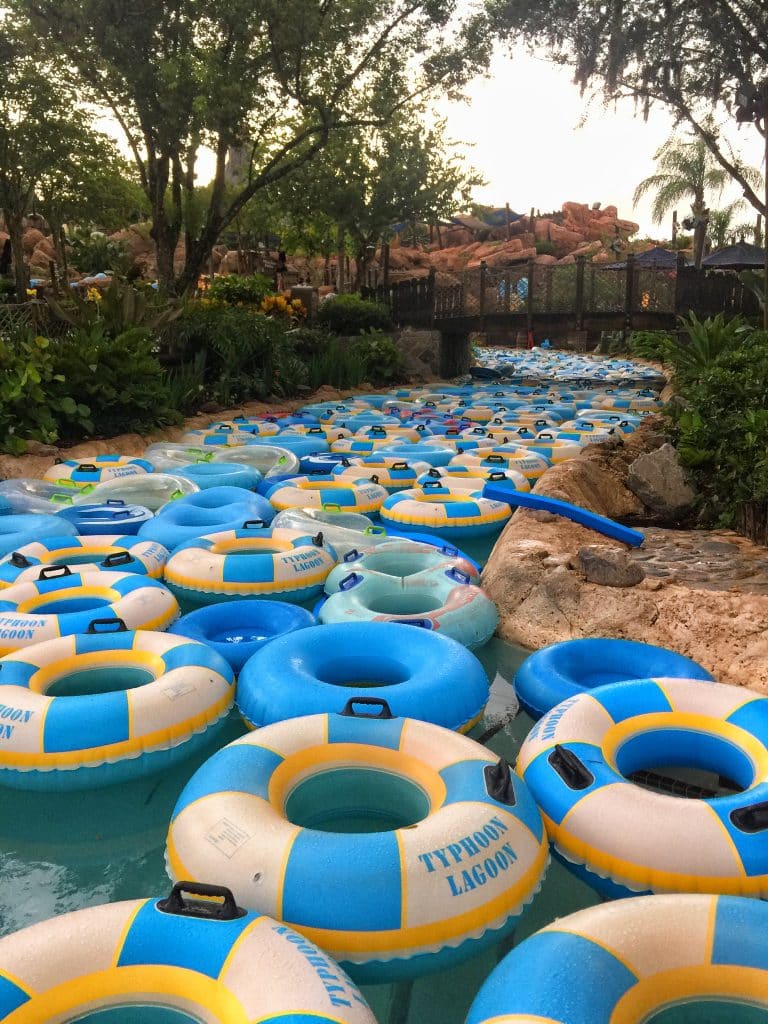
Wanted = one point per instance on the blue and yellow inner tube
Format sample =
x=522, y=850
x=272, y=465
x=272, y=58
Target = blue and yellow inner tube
x=172, y=960
x=95, y=469
x=582, y=760
x=323, y=491
x=17, y=530
x=62, y=602
x=659, y=958
x=91, y=553
x=436, y=848
x=105, y=706
x=420, y=674
x=437, y=508
x=286, y=564
x=559, y=671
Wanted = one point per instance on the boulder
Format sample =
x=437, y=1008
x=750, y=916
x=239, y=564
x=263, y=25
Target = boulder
x=31, y=239
x=608, y=566
x=659, y=481
x=545, y=260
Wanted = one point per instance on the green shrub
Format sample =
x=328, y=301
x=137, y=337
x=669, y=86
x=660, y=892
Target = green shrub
x=351, y=315
x=705, y=342
x=308, y=342
x=545, y=248
x=186, y=384
x=655, y=345
x=240, y=345
x=722, y=430
x=382, y=359
x=94, y=254
x=250, y=289
x=119, y=379
x=33, y=395
x=339, y=365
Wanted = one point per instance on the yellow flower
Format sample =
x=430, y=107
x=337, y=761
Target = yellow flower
x=93, y=295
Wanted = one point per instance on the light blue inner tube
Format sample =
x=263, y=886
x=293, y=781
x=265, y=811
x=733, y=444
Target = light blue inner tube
x=562, y=670
x=418, y=452
x=210, y=511
x=436, y=541
x=220, y=474
x=238, y=629
x=299, y=444
x=110, y=517
x=420, y=674
x=18, y=530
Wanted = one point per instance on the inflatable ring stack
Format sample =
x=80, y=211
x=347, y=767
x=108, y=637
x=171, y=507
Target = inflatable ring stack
x=96, y=469
x=437, y=508
x=358, y=495
x=561, y=670
x=260, y=562
x=88, y=554
x=462, y=852
x=175, y=959
x=631, y=960
x=439, y=599
x=623, y=838
x=128, y=704
x=421, y=674
x=62, y=602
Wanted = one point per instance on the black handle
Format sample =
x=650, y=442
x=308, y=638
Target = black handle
x=318, y=540
x=19, y=561
x=751, y=819
x=118, y=558
x=87, y=467
x=570, y=768
x=53, y=572
x=497, y=475
x=315, y=430
x=95, y=623
x=498, y=783
x=374, y=478
x=371, y=702
x=345, y=461
x=495, y=459
x=399, y=465
x=115, y=502
x=430, y=485
x=257, y=523
x=452, y=431
x=434, y=472
x=227, y=910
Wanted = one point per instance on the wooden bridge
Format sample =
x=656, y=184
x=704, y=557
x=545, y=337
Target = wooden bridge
x=568, y=303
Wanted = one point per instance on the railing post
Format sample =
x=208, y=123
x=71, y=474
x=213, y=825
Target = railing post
x=678, y=282
x=431, y=296
x=483, y=273
x=580, y=264
x=529, y=297
x=629, y=293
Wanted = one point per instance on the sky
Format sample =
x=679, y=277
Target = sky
x=523, y=128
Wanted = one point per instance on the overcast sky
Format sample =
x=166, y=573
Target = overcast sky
x=524, y=122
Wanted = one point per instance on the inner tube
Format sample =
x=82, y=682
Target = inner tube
x=61, y=602
x=106, y=706
x=258, y=562
x=580, y=762
x=631, y=961
x=462, y=850
x=217, y=474
x=325, y=491
x=209, y=511
x=392, y=474
x=238, y=629
x=174, y=959
x=398, y=560
x=94, y=469
x=421, y=675
x=87, y=554
x=467, y=514
x=437, y=599
x=95, y=519
x=269, y=460
x=151, y=491
x=562, y=670
x=18, y=530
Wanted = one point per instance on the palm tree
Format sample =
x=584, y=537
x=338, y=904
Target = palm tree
x=685, y=169
x=722, y=224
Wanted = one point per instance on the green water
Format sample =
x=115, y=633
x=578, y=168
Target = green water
x=61, y=852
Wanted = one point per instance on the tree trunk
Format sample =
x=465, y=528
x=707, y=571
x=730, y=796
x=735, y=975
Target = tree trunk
x=701, y=218
x=15, y=224
x=340, y=254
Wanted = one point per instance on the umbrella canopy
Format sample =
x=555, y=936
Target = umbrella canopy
x=736, y=257
x=656, y=257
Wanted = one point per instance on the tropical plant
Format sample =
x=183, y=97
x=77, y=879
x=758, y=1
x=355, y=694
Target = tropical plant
x=755, y=283
x=340, y=365
x=94, y=253
x=118, y=377
x=722, y=224
x=382, y=359
x=706, y=341
x=34, y=394
x=655, y=345
x=118, y=308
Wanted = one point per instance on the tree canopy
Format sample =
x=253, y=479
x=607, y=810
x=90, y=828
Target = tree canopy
x=691, y=57
x=279, y=77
